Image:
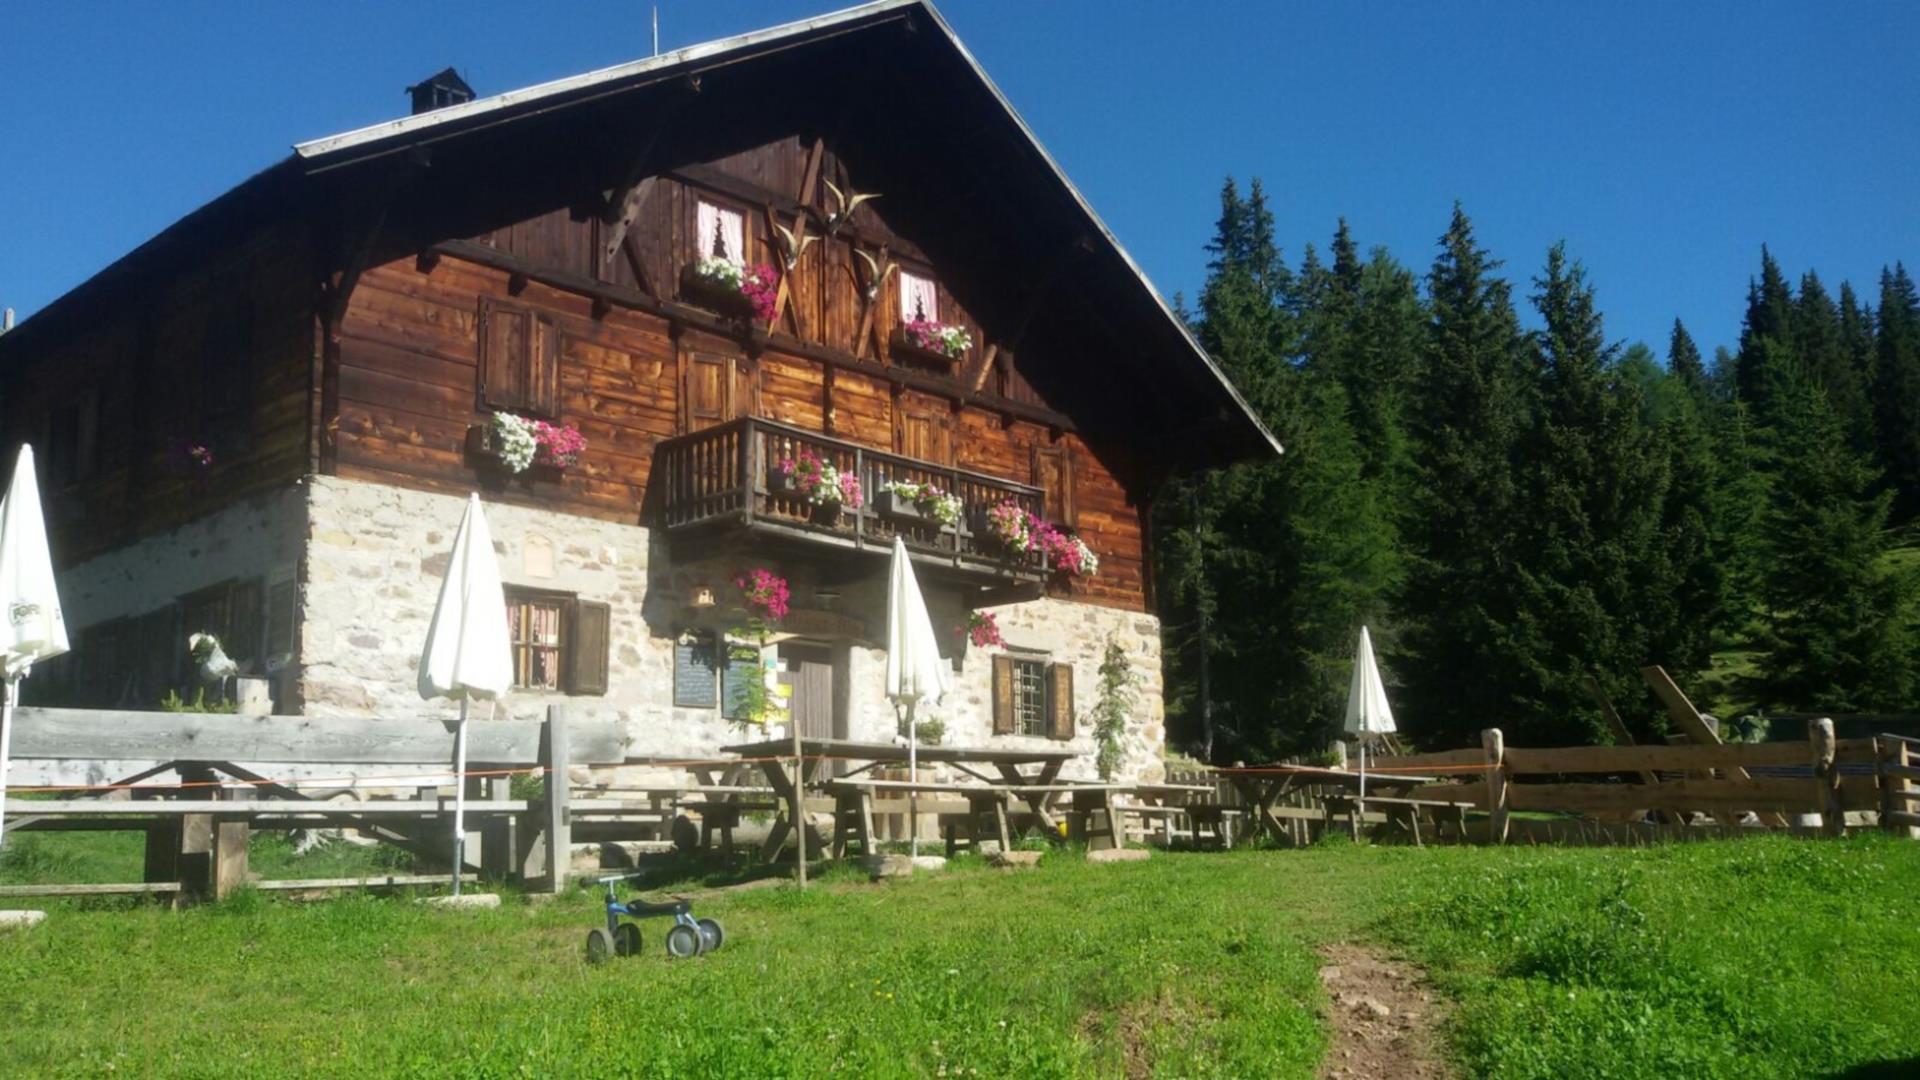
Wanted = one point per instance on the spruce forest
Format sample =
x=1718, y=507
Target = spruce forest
x=1515, y=510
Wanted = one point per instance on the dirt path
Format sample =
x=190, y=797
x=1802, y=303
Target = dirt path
x=1384, y=1018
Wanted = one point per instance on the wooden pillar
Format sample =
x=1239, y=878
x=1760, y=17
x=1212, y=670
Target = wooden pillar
x=228, y=853
x=1496, y=749
x=558, y=826
x=193, y=860
x=496, y=833
x=1826, y=777
x=1899, y=811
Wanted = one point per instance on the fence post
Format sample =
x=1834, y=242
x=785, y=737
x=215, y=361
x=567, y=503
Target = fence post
x=558, y=826
x=1897, y=808
x=1496, y=748
x=1826, y=778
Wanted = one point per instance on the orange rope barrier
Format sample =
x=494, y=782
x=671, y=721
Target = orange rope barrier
x=287, y=782
x=1411, y=769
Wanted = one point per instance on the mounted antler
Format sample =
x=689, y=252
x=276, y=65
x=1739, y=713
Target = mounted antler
x=792, y=247
x=876, y=273
x=844, y=204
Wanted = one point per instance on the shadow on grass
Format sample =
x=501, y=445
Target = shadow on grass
x=1904, y=1069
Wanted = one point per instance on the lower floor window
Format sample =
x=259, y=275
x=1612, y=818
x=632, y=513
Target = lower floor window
x=533, y=625
x=1030, y=697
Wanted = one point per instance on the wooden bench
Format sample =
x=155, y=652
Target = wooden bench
x=853, y=811
x=1404, y=814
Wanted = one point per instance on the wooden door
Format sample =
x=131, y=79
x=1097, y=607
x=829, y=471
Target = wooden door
x=810, y=673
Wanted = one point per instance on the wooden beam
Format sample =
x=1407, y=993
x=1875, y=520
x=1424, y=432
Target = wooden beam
x=1688, y=720
x=124, y=735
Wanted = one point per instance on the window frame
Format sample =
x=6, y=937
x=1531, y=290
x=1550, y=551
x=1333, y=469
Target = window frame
x=696, y=250
x=1031, y=687
x=903, y=316
x=561, y=602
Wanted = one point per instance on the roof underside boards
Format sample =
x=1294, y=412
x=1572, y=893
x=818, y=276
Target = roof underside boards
x=984, y=194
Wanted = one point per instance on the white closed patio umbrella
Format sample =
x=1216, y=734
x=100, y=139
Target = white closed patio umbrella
x=31, y=625
x=915, y=670
x=1368, y=714
x=468, y=655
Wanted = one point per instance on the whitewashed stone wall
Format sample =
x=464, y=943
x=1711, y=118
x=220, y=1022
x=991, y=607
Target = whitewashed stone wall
x=375, y=555
x=259, y=537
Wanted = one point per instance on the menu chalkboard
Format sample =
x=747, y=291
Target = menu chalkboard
x=696, y=672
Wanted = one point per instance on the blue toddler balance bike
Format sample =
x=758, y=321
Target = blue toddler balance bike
x=686, y=938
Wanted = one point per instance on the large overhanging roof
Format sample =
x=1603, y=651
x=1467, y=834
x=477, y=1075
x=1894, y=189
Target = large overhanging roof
x=340, y=152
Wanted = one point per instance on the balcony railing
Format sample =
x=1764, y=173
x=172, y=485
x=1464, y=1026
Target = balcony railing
x=730, y=473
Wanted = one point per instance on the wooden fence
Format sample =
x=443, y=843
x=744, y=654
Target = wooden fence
x=1786, y=785
x=197, y=829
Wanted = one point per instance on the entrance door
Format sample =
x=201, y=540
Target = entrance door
x=810, y=673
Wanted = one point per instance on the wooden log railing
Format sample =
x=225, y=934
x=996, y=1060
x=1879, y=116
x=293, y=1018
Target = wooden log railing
x=731, y=472
x=1821, y=776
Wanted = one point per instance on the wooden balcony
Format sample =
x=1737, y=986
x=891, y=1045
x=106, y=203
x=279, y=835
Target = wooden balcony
x=727, y=477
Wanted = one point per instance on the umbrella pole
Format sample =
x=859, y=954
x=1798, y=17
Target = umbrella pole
x=460, y=797
x=6, y=751
x=913, y=778
x=799, y=798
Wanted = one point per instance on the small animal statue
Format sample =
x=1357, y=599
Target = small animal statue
x=212, y=665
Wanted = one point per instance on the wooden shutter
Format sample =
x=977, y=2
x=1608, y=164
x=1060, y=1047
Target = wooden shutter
x=543, y=369
x=1002, y=694
x=1060, y=700
x=589, y=641
x=504, y=333
x=707, y=391
x=1053, y=474
x=924, y=436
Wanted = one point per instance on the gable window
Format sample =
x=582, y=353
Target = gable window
x=519, y=359
x=720, y=233
x=919, y=298
x=559, y=643
x=1032, y=697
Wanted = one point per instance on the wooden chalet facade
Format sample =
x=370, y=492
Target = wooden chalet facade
x=260, y=422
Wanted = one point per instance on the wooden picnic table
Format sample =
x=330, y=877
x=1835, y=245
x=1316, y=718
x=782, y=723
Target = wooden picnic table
x=1015, y=768
x=1260, y=786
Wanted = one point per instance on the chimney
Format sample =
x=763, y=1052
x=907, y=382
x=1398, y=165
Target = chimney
x=6, y=320
x=439, y=91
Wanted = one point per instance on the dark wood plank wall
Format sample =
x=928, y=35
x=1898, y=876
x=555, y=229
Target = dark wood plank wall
x=410, y=343
x=218, y=356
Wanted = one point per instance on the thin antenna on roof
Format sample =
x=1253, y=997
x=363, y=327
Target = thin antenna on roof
x=656, y=29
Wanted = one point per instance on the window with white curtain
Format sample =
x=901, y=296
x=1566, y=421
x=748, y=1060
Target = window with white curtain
x=720, y=233
x=919, y=298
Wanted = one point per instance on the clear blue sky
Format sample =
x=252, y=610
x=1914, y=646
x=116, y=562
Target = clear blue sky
x=1664, y=141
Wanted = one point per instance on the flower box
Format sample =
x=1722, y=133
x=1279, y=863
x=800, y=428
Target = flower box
x=747, y=297
x=900, y=343
x=483, y=446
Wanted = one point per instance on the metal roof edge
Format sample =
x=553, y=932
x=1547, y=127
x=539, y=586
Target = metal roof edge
x=373, y=133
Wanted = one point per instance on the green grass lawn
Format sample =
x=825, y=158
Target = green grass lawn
x=1754, y=958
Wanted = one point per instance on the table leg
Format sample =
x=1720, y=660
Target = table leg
x=1000, y=818
x=1037, y=801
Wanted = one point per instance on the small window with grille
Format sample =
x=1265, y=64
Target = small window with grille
x=533, y=625
x=1030, y=697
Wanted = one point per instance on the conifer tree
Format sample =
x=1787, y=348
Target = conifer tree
x=1840, y=635
x=1766, y=361
x=1465, y=414
x=1820, y=349
x=1897, y=390
x=1683, y=361
x=1589, y=555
